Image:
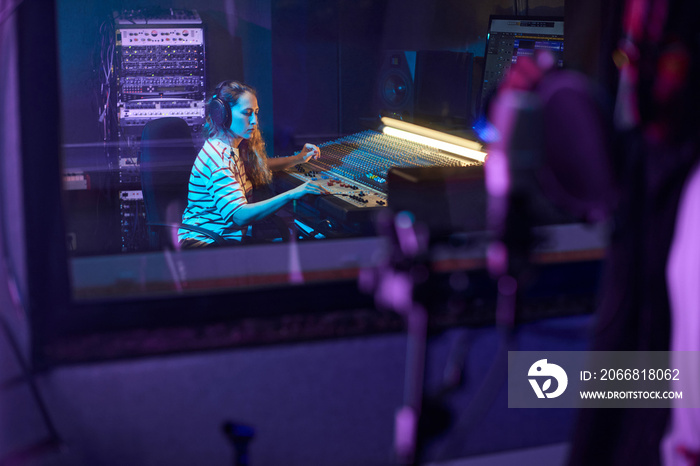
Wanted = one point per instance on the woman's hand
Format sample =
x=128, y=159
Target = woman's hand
x=282, y=163
x=255, y=211
x=307, y=188
x=309, y=152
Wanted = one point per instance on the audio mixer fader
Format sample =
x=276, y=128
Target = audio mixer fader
x=354, y=170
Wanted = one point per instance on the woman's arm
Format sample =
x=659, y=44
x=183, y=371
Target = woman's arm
x=250, y=213
x=282, y=163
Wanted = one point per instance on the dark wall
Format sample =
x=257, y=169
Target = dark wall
x=327, y=55
x=325, y=58
x=304, y=70
x=592, y=34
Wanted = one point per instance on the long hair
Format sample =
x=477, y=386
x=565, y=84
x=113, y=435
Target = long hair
x=252, y=150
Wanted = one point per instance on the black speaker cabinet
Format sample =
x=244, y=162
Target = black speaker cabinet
x=394, y=93
x=443, y=85
x=431, y=85
x=445, y=199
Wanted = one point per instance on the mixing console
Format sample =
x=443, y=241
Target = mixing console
x=354, y=169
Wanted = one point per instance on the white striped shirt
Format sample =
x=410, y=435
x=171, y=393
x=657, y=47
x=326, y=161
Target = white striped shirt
x=218, y=188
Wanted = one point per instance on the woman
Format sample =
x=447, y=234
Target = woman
x=231, y=162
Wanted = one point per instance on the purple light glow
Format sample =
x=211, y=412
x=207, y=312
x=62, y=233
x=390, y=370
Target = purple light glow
x=406, y=234
x=497, y=258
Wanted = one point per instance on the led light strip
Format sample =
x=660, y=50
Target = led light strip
x=433, y=138
x=442, y=145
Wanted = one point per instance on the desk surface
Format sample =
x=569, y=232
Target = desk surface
x=294, y=263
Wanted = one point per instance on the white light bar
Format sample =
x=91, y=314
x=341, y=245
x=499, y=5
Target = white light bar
x=433, y=138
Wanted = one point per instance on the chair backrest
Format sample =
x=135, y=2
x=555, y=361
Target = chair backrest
x=167, y=156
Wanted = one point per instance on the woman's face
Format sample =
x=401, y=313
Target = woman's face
x=244, y=115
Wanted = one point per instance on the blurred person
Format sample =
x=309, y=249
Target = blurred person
x=632, y=163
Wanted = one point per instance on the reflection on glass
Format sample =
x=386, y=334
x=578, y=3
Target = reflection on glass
x=144, y=120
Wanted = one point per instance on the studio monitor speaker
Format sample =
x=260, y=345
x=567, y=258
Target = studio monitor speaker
x=431, y=85
x=394, y=91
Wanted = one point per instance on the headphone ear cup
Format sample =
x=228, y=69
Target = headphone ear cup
x=220, y=112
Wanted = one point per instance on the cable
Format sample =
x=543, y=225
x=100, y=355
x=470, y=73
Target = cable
x=105, y=67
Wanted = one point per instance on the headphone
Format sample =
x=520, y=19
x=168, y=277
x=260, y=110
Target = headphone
x=219, y=110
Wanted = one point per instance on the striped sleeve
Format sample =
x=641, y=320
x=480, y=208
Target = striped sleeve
x=224, y=188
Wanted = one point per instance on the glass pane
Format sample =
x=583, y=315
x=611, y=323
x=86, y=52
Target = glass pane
x=323, y=74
